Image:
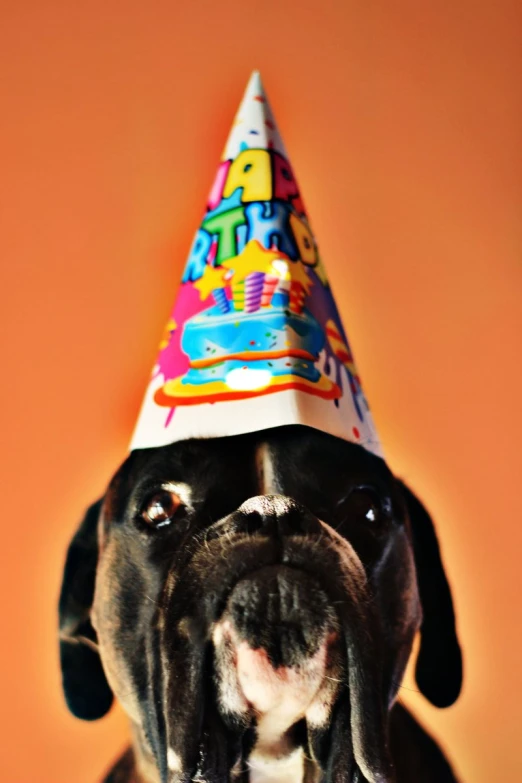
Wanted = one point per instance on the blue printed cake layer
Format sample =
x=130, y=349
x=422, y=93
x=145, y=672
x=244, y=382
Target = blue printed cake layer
x=212, y=334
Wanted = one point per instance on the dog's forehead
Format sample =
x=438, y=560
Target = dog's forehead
x=280, y=460
x=308, y=448
x=296, y=459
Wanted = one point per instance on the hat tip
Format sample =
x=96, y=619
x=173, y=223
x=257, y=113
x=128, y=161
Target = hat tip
x=255, y=79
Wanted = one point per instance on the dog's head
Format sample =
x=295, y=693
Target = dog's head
x=251, y=595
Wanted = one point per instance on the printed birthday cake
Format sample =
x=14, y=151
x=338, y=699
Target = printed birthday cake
x=257, y=338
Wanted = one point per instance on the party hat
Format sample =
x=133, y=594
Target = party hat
x=254, y=340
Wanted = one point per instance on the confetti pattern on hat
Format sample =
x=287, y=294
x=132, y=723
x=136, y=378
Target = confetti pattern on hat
x=254, y=340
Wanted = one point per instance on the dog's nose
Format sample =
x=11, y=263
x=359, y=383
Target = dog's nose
x=279, y=515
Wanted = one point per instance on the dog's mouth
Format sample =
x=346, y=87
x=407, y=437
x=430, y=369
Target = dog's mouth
x=277, y=657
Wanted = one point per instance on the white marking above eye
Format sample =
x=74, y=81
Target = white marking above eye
x=179, y=488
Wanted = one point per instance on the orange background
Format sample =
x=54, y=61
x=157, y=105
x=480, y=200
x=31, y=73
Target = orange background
x=403, y=121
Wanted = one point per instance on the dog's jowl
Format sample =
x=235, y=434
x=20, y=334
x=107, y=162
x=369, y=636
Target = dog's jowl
x=251, y=602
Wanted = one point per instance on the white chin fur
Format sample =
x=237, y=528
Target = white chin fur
x=249, y=686
x=289, y=769
x=280, y=697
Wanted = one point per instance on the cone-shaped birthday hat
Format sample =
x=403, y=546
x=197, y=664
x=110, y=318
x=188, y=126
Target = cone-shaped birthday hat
x=254, y=340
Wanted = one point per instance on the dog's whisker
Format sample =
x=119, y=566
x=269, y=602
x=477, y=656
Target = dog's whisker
x=405, y=688
x=79, y=639
x=127, y=695
x=206, y=541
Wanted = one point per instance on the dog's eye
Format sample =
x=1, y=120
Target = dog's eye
x=361, y=505
x=161, y=508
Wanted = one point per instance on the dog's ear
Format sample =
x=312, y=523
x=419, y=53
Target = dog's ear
x=86, y=689
x=439, y=664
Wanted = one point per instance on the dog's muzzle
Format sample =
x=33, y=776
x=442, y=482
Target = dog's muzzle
x=276, y=653
x=279, y=608
x=283, y=601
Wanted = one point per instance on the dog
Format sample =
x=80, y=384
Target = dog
x=252, y=602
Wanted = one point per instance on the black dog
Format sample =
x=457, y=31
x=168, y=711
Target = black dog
x=252, y=602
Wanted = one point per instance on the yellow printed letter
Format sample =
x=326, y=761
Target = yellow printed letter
x=251, y=170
